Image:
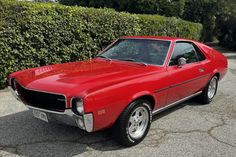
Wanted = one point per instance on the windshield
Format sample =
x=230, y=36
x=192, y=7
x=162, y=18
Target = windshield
x=138, y=50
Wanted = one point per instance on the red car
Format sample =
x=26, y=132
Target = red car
x=124, y=86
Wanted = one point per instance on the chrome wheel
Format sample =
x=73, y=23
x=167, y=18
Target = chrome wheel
x=212, y=88
x=138, y=122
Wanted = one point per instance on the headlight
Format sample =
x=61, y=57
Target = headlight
x=80, y=106
x=77, y=106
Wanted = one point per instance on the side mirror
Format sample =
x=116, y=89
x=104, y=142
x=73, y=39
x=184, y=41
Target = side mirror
x=181, y=62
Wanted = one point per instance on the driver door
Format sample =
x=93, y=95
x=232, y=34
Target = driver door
x=188, y=79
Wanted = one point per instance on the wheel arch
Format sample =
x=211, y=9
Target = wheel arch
x=217, y=74
x=143, y=95
x=149, y=98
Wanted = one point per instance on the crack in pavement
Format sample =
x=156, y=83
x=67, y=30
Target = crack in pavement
x=210, y=121
x=150, y=143
x=208, y=132
x=214, y=137
x=207, y=111
x=15, y=147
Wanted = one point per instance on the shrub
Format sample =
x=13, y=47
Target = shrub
x=163, y=7
x=227, y=35
x=169, y=26
x=34, y=34
x=226, y=24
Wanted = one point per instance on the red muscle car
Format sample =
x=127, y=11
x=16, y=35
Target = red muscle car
x=124, y=86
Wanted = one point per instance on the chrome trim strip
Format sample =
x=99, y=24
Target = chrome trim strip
x=151, y=38
x=67, y=111
x=44, y=110
x=161, y=90
x=175, y=103
x=168, y=52
x=108, y=47
x=178, y=84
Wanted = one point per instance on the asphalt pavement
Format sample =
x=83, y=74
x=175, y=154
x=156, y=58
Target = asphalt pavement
x=187, y=130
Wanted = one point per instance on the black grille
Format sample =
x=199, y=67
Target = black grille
x=42, y=100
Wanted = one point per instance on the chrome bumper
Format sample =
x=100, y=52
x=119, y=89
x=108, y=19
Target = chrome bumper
x=68, y=117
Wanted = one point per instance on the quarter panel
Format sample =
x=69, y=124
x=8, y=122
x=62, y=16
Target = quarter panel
x=218, y=62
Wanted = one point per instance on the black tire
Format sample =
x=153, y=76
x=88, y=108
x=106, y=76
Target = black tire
x=204, y=97
x=120, y=130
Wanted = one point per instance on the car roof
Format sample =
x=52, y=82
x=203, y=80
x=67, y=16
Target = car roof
x=155, y=38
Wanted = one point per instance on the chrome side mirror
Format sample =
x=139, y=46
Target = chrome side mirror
x=181, y=62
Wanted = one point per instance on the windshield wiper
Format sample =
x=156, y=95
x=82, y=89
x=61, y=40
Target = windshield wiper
x=104, y=57
x=132, y=60
x=127, y=59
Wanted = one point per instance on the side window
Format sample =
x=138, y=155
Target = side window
x=186, y=50
x=200, y=55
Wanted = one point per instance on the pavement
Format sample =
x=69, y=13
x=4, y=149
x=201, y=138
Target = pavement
x=187, y=130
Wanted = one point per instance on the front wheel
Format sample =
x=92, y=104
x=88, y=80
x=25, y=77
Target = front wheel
x=209, y=91
x=133, y=124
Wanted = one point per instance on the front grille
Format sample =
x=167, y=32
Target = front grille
x=41, y=100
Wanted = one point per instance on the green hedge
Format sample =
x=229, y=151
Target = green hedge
x=227, y=33
x=34, y=34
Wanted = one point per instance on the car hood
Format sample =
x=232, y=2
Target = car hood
x=81, y=77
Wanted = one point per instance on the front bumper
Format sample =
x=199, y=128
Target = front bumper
x=68, y=117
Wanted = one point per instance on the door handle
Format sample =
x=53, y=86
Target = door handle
x=201, y=69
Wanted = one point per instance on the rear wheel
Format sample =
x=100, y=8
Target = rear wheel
x=209, y=91
x=133, y=124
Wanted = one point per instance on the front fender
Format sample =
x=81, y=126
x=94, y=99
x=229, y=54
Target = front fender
x=107, y=103
x=107, y=107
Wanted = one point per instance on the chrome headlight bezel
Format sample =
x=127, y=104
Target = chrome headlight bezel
x=77, y=105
